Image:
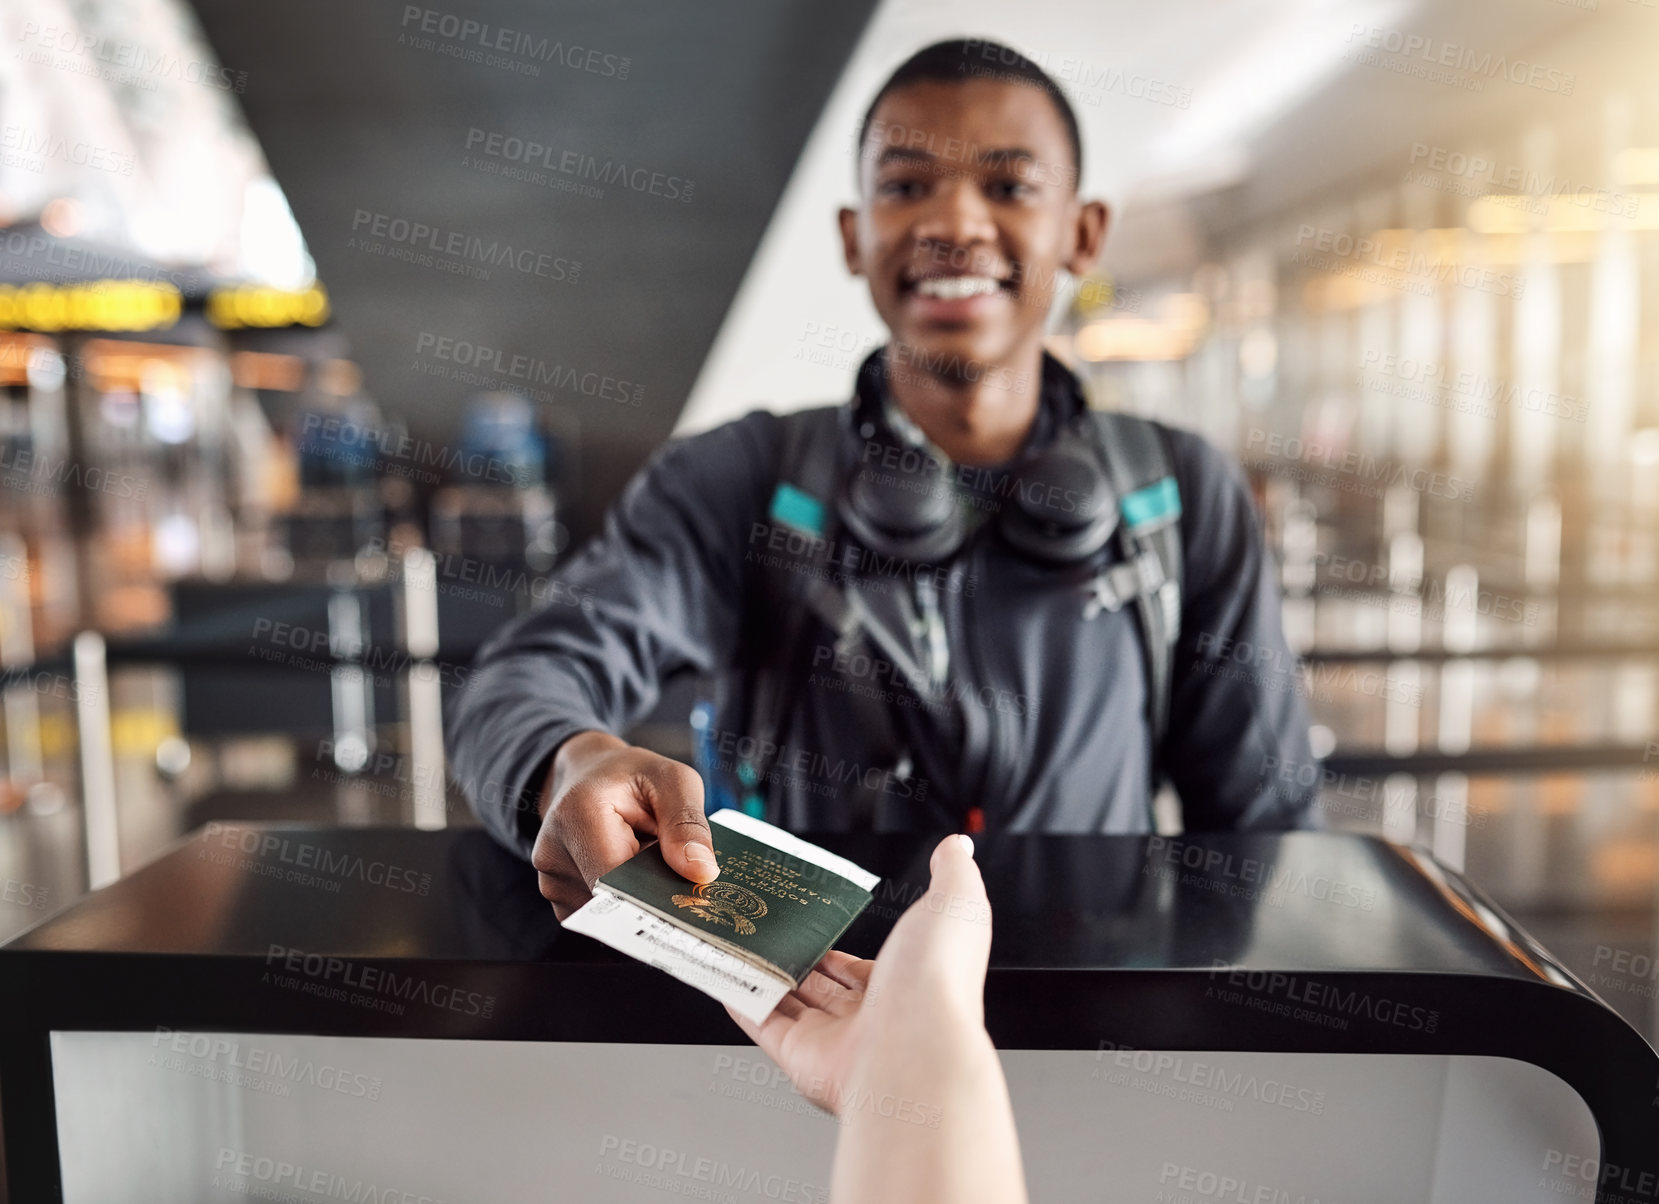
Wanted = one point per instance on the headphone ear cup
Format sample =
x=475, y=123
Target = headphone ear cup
x=1063, y=508
x=908, y=514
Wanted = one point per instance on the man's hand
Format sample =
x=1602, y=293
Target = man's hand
x=603, y=800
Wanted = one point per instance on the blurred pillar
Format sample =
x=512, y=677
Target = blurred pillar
x=1615, y=310
x=1459, y=633
x=426, y=728
x=1471, y=435
x=25, y=760
x=98, y=812
x=1402, y=716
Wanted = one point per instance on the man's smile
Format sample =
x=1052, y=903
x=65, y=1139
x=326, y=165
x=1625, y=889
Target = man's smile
x=954, y=295
x=954, y=288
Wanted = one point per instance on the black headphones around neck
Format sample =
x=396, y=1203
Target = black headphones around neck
x=1053, y=503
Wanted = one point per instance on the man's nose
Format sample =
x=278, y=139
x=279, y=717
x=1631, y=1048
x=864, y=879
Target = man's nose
x=957, y=216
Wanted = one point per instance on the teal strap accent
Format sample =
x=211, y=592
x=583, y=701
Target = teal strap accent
x=795, y=508
x=1156, y=503
x=751, y=803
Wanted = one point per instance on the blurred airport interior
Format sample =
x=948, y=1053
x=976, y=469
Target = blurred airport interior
x=273, y=465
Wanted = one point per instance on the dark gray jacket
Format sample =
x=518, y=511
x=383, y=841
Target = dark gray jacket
x=678, y=581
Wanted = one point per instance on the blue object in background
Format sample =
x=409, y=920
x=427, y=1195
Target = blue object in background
x=499, y=443
x=717, y=796
x=339, y=447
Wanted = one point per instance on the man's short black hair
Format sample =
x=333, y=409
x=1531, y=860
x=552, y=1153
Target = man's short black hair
x=962, y=59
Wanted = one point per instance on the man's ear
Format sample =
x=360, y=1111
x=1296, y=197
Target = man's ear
x=848, y=218
x=1092, y=220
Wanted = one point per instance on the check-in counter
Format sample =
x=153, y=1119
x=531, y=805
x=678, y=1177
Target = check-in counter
x=304, y=1014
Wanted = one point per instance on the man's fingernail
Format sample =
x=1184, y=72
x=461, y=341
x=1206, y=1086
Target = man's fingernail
x=967, y=843
x=700, y=852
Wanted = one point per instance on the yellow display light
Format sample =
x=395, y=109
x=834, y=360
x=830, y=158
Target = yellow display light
x=96, y=305
x=252, y=305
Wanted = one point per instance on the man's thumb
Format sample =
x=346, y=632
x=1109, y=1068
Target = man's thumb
x=687, y=843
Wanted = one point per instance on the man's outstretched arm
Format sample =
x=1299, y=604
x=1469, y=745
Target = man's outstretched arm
x=659, y=591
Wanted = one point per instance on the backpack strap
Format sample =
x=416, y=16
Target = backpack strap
x=1149, y=534
x=803, y=503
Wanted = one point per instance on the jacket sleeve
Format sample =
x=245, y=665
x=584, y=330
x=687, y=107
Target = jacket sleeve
x=1236, y=747
x=658, y=591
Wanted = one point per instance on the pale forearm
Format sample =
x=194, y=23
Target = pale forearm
x=926, y=1120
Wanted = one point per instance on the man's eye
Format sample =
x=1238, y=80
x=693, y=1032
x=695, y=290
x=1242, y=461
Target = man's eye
x=901, y=188
x=1009, y=189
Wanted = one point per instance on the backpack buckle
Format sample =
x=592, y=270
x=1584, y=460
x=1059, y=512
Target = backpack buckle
x=1127, y=581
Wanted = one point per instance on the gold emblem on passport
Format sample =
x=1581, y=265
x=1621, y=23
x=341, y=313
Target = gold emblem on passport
x=724, y=903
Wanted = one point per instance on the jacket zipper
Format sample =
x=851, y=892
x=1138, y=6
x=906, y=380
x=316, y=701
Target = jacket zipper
x=989, y=804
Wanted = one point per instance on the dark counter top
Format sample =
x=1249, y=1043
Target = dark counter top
x=1297, y=942
x=1298, y=901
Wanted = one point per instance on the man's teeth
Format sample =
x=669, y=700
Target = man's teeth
x=954, y=288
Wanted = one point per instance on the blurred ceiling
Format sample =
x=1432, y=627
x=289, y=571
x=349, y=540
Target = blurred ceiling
x=721, y=138
x=377, y=116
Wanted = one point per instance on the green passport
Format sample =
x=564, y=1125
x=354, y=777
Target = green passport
x=779, y=902
x=749, y=937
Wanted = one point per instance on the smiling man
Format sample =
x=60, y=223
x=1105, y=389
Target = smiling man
x=959, y=600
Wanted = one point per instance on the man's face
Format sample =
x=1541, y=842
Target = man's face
x=968, y=213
